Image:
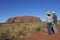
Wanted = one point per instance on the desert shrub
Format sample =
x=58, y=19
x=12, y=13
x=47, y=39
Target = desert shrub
x=17, y=24
x=26, y=24
x=44, y=30
x=38, y=29
x=0, y=25
x=23, y=34
x=58, y=24
x=22, y=22
x=5, y=36
x=19, y=30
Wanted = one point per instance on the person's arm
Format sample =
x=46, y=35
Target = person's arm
x=52, y=20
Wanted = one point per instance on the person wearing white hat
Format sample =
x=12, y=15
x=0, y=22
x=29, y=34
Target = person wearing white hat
x=54, y=22
x=49, y=22
x=53, y=12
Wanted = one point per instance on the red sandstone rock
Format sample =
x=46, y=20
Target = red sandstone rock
x=23, y=19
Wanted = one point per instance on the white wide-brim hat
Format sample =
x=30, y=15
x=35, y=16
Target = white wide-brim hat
x=53, y=12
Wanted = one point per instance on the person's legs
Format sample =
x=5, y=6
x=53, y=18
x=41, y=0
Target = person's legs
x=52, y=30
x=49, y=28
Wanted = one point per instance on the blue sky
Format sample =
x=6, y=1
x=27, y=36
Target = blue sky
x=38, y=8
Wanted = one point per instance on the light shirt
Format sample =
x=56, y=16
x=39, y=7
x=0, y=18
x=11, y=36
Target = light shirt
x=49, y=18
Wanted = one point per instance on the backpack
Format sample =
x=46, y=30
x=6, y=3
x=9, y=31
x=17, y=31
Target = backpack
x=55, y=19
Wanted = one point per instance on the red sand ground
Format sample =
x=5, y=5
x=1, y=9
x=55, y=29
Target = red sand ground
x=44, y=36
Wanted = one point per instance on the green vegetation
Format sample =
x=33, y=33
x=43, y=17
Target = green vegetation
x=20, y=30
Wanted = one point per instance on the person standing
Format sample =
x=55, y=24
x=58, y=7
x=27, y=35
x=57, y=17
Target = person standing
x=49, y=23
x=54, y=22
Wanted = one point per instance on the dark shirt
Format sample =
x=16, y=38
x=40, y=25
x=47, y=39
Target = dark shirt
x=54, y=18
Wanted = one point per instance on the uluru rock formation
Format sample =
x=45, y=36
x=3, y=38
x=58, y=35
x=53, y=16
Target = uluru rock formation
x=23, y=19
